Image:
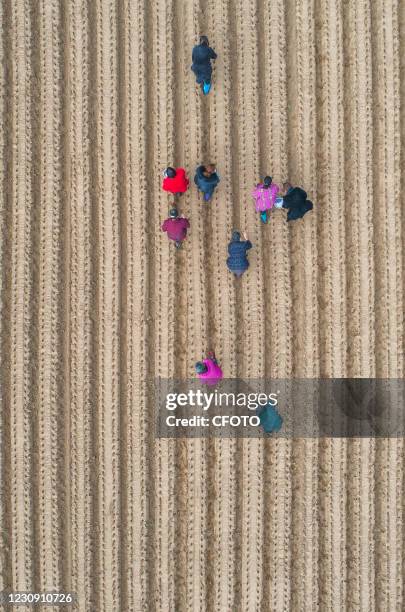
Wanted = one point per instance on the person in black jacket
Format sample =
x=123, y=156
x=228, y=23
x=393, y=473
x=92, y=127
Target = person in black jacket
x=237, y=261
x=296, y=203
x=202, y=55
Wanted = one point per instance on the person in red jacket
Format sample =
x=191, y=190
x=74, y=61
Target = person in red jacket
x=176, y=227
x=175, y=181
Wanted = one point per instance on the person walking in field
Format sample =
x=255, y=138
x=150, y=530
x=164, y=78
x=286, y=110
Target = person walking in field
x=270, y=418
x=176, y=227
x=208, y=370
x=201, y=56
x=265, y=195
x=296, y=202
x=237, y=261
x=206, y=179
x=175, y=181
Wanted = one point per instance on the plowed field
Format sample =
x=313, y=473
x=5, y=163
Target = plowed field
x=97, y=98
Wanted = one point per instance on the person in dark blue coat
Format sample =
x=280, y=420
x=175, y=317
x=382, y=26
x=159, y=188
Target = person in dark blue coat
x=202, y=56
x=206, y=179
x=296, y=203
x=237, y=261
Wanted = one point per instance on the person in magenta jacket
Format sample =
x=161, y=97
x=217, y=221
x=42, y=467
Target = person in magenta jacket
x=175, y=181
x=265, y=195
x=176, y=227
x=208, y=370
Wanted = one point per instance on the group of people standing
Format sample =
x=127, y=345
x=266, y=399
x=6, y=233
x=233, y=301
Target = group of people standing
x=267, y=196
x=206, y=178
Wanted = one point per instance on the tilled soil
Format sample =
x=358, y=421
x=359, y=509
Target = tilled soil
x=97, y=98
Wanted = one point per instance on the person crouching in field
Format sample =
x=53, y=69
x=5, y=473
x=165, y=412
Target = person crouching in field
x=237, y=261
x=265, y=195
x=176, y=227
x=206, y=179
x=175, y=181
x=295, y=201
x=208, y=370
x=201, y=56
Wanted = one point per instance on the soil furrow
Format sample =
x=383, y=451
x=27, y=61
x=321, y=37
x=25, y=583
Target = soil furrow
x=224, y=311
x=107, y=304
x=4, y=552
x=276, y=261
x=301, y=64
x=135, y=97
x=80, y=299
x=17, y=452
x=181, y=67
x=162, y=593
x=330, y=177
x=360, y=291
x=388, y=283
x=386, y=176
x=197, y=318
x=252, y=297
x=49, y=288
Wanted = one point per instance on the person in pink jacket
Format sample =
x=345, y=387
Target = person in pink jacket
x=208, y=370
x=265, y=195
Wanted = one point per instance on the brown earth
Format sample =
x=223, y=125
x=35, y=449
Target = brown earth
x=97, y=98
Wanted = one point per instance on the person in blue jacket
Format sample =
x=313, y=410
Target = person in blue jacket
x=270, y=418
x=206, y=179
x=202, y=55
x=237, y=261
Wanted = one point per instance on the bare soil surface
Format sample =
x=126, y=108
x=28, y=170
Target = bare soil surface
x=97, y=98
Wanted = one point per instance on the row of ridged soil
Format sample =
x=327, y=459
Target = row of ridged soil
x=96, y=99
